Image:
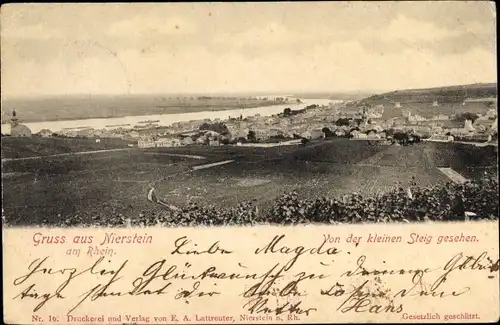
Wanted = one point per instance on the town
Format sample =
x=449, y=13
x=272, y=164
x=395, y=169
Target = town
x=475, y=122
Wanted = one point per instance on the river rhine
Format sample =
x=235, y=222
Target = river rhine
x=166, y=119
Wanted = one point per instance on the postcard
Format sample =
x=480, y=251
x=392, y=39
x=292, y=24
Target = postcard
x=280, y=162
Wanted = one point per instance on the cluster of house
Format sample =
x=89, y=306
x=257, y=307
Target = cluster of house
x=436, y=120
x=205, y=137
x=307, y=124
x=364, y=122
x=439, y=126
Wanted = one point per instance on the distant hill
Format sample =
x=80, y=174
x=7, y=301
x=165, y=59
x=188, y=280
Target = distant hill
x=71, y=107
x=333, y=95
x=450, y=94
x=451, y=100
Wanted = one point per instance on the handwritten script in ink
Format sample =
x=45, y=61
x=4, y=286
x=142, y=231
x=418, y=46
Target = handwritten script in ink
x=279, y=282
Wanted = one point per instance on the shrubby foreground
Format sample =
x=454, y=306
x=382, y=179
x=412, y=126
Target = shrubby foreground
x=445, y=202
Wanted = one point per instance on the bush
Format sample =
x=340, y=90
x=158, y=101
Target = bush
x=328, y=133
x=343, y=122
x=466, y=116
x=251, y=136
x=445, y=202
x=218, y=127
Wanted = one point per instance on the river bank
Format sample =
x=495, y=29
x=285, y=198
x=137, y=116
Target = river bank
x=165, y=119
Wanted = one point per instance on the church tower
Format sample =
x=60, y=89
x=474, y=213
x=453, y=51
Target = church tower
x=17, y=129
x=14, y=121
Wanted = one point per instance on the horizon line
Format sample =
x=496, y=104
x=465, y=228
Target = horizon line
x=240, y=93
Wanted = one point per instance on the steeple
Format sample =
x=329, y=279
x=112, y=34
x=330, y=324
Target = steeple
x=14, y=120
x=17, y=129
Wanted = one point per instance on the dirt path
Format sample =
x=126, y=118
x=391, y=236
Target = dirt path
x=65, y=154
x=102, y=151
x=152, y=185
x=453, y=175
x=174, y=155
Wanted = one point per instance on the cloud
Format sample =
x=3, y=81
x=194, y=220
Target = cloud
x=220, y=48
x=398, y=34
x=272, y=33
x=325, y=67
x=144, y=26
x=404, y=33
x=38, y=31
x=404, y=29
x=62, y=76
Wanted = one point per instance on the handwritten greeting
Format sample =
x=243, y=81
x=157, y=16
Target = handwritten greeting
x=278, y=276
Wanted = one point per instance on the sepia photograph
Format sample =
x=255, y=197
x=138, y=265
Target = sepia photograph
x=247, y=114
x=249, y=162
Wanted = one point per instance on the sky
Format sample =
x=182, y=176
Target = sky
x=61, y=49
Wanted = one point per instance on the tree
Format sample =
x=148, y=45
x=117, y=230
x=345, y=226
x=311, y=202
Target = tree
x=251, y=136
x=45, y=133
x=304, y=141
x=343, y=122
x=218, y=127
x=389, y=132
x=466, y=116
x=358, y=121
x=287, y=111
x=205, y=126
x=328, y=133
x=401, y=137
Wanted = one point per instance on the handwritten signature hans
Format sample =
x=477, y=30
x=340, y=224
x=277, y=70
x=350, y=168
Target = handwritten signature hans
x=363, y=299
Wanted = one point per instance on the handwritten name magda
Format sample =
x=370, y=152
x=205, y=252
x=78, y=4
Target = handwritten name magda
x=267, y=285
x=276, y=246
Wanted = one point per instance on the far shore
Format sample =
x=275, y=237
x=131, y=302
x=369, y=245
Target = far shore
x=165, y=119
